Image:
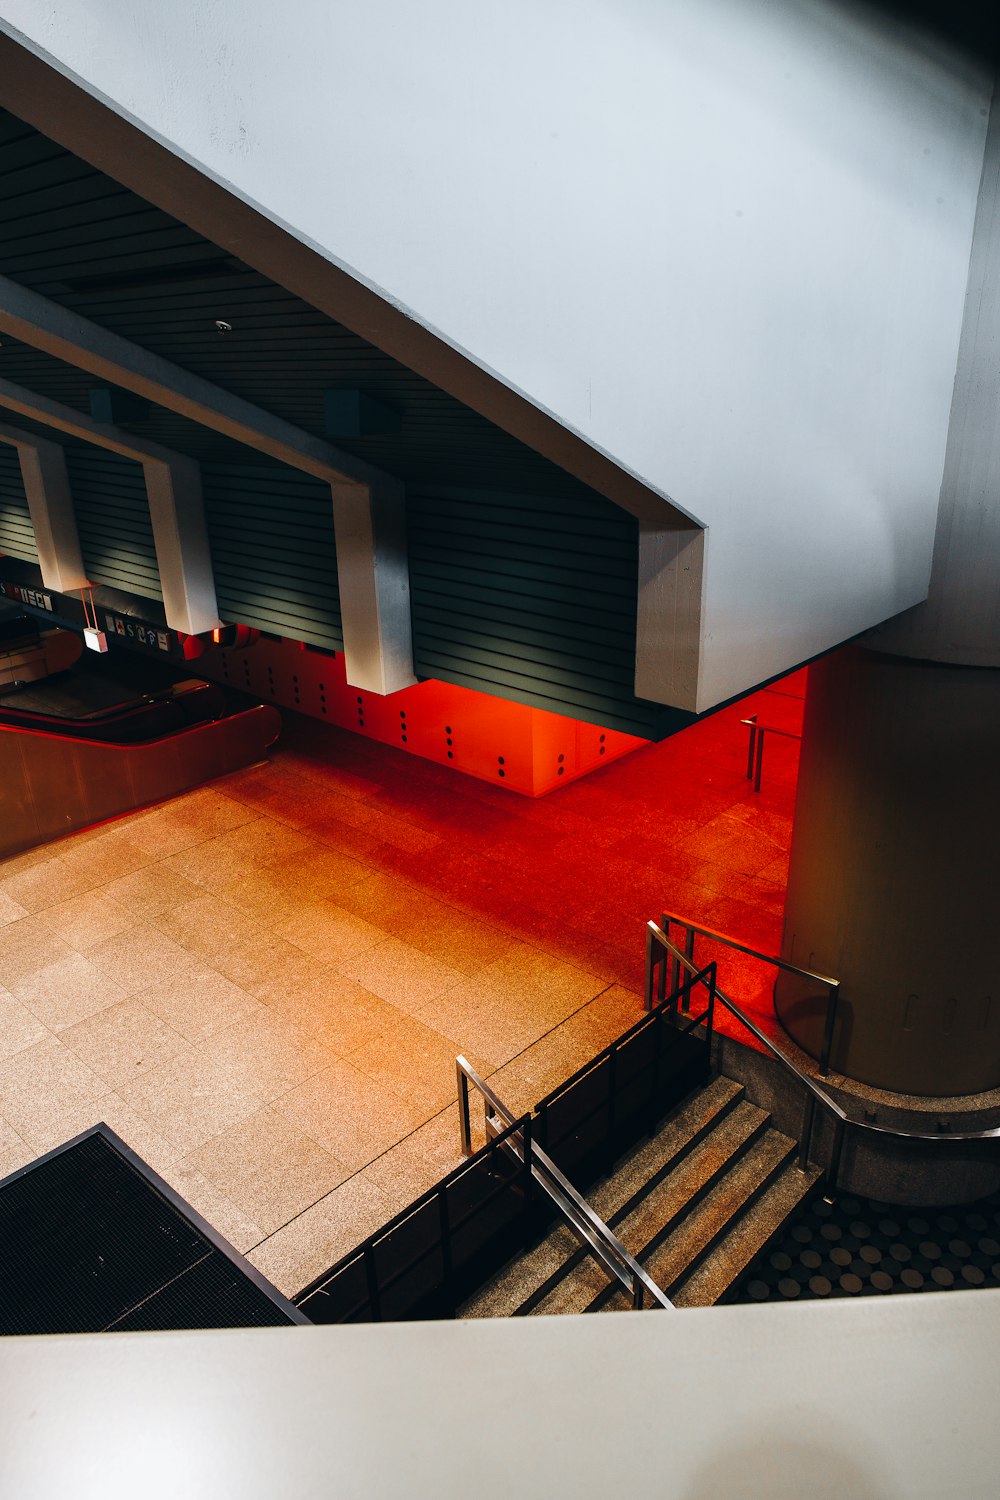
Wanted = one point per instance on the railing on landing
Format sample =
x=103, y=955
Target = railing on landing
x=755, y=749
x=662, y=953
x=592, y=1232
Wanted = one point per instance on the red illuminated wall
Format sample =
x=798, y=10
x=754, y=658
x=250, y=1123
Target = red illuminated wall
x=526, y=749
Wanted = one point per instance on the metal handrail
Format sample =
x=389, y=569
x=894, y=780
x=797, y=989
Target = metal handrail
x=589, y=1228
x=816, y=1093
x=755, y=749
x=832, y=985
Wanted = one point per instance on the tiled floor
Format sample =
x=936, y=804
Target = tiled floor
x=262, y=985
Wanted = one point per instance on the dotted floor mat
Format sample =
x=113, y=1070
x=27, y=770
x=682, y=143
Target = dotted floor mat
x=857, y=1247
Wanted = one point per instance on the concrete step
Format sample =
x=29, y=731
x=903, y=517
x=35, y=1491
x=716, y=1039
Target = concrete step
x=522, y=1281
x=673, y=1258
x=670, y=1210
x=723, y=1266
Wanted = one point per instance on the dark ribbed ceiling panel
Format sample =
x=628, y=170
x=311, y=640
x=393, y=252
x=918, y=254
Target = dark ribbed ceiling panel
x=112, y=516
x=273, y=551
x=529, y=598
x=83, y=240
x=17, y=537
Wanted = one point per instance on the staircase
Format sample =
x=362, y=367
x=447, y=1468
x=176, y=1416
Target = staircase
x=694, y=1204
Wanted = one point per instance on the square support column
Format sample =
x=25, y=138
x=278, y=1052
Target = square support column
x=374, y=579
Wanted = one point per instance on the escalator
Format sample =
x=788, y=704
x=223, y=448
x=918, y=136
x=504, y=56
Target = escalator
x=83, y=742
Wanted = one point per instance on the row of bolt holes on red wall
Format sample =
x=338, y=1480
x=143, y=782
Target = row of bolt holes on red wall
x=402, y=715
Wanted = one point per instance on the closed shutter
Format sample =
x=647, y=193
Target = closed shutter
x=531, y=598
x=112, y=517
x=273, y=551
x=17, y=537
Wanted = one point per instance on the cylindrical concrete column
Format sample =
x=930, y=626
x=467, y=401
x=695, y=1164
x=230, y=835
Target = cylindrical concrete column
x=894, y=885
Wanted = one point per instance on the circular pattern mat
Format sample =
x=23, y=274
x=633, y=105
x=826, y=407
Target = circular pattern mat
x=859, y=1248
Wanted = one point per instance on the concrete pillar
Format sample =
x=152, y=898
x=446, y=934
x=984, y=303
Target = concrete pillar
x=893, y=878
x=895, y=851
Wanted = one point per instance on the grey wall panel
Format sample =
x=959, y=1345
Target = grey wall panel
x=531, y=598
x=112, y=516
x=273, y=550
x=17, y=539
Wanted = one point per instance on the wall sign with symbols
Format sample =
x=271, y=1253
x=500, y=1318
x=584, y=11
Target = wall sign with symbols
x=33, y=597
x=136, y=633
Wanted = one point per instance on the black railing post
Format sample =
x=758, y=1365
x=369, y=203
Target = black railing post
x=836, y=1151
x=668, y=979
x=528, y=1181
x=371, y=1276
x=651, y=946
x=612, y=1099
x=807, y=1129
x=831, y=1021
x=752, y=745
x=713, y=970
x=689, y=955
x=447, y=1271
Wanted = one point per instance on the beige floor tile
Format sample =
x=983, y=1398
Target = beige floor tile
x=336, y=1012
x=15, y=1156
x=140, y=957
x=190, y=1099
x=400, y=974
x=318, y=1238
x=525, y=1080
x=135, y=1131
x=162, y=832
x=122, y=1041
x=230, y=940
x=261, y=895
x=225, y=1217
x=197, y=1001
x=322, y=874
x=151, y=891
x=278, y=793
x=265, y=1054
x=10, y=910
x=414, y=1061
x=20, y=1028
x=26, y=946
x=349, y=1114
x=263, y=841
x=290, y=971
x=208, y=865
x=107, y=857
x=210, y=811
x=329, y=933
x=15, y=863
x=67, y=991
x=88, y=919
x=46, y=883
x=416, y=1163
x=551, y=986
x=44, y=1087
x=270, y=1170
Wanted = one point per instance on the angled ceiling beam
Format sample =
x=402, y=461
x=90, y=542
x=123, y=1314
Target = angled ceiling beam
x=44, y=324
x=50, y=506
x=373, y=582
x=176, y=506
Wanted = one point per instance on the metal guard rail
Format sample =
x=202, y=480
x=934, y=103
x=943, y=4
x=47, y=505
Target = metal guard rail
x=815, y=1092
x=832, y=985
x=591, y=1230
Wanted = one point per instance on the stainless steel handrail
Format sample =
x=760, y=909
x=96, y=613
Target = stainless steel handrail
x=589, y=1228
x=816, y=1093
x=755, y=749
x=832, y=985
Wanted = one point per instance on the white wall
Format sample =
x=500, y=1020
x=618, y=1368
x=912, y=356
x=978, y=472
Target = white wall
x=865, y=1398
x=724, y=240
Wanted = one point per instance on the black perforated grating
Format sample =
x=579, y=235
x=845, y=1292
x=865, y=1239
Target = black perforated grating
x=89, y=1243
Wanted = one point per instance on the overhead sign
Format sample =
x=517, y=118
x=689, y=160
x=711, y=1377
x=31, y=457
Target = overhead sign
x=33, y=597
